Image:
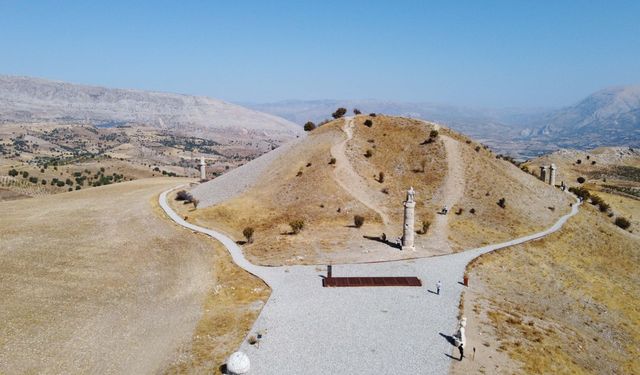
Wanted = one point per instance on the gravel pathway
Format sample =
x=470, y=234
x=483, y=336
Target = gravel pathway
x=314, y=330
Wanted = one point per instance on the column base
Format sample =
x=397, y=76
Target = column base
x=412, y=248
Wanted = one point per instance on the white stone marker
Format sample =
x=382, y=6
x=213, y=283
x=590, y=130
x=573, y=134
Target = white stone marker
x=409, y=220
x=552, y=175
x=203, y=170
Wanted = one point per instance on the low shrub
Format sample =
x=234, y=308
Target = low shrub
x=368, y=123
x=296, y=225
x=332, y=161
x=309, y=126
x=368, y=154
x=358, y=221
x=502, y=202
x=622, y=222
x=248, y=234
x=581, y=180
x=183, y=195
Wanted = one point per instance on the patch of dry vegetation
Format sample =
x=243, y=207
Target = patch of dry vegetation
x=97, y=281
x=530, y=205
x=229, y=310
x=399, y=151
x=389, y=154
x=565, y=304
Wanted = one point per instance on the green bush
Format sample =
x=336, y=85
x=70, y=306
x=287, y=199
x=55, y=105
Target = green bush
x=13, y=173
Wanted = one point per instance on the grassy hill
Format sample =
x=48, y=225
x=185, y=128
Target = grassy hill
x=334, y=174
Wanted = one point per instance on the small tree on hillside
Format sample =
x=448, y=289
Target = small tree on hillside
x=622, y=222
x=358, y=221
x=381, y=177
x=433, y=134
x=248, y=234
x=296, y=226
x=339, y=113
x=309, y=126
x=356, y=111
x=368, y=123
x=502, y=202
x=581, y=180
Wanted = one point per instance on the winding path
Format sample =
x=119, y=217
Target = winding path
x=349, y=179
x=449, y=193
x=314, y=330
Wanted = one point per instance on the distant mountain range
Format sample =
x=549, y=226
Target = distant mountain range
x=28, y=100
x=609, y=117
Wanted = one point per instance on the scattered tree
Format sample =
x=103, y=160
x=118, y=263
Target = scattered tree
x=604, y=207
x=13, y=173
x=296, y=226
x=339, y=113
x=368, y=123
x=356, y=111
x=473, y=211
x=581, y=180
x=580, y=192
x=578, y=161
x=309, y=126
x=477, y=148
x=381, y=177
x=25, y=174
x=368, y=154
x=358, y=221
x=248, y=234
x=433, y=134
x=332, y=161
x=502, y=202
x=622, y=222
x=372, y=114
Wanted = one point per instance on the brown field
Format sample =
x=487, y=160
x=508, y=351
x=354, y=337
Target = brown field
x=565, y=304
x=98, y=281
x=304, y=185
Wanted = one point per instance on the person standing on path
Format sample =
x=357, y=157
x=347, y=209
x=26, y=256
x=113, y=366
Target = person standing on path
x=438, y=286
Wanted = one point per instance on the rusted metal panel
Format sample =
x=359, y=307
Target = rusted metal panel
x=371, y=281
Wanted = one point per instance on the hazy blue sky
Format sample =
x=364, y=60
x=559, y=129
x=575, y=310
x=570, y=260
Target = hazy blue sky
x=482, y=53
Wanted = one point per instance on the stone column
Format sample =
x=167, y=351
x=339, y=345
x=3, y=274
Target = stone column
x=408, y=232
x=203, y=171
x=552, y=175
x=543, y=173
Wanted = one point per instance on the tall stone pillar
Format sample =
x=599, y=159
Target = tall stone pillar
x=543, y=173
x=552, y=175
x=203, y=170
x=408, y=232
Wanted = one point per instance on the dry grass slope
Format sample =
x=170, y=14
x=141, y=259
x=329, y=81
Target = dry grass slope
x=565, y=304
x=304, y=184
x=96, y=281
